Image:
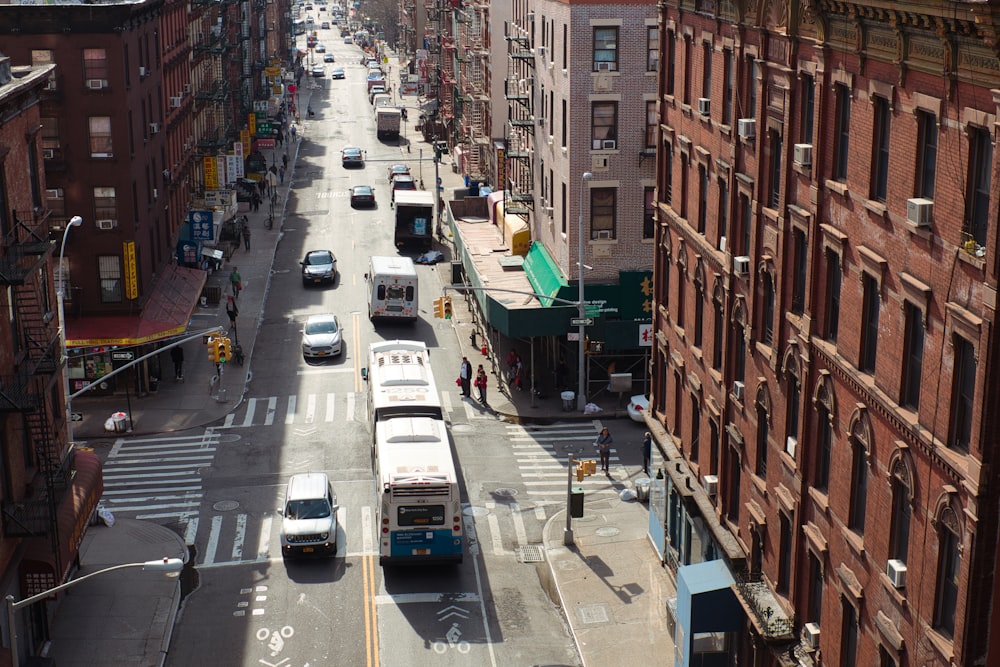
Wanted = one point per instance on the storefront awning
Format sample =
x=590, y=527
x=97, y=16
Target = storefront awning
x=166, y=313
x=42, y=569
x=543, y=272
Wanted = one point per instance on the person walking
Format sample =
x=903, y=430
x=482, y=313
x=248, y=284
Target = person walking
x=603, y=444
x=236, y=281
x=255, y=201
x=233, y=311
x=284, y=160
x=481, y=384
x=281, y=174
x=246, y=237
x=465, y=375
x=647, y=451
x=177, y=356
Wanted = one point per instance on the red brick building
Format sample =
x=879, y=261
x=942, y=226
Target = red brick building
x=825, y=289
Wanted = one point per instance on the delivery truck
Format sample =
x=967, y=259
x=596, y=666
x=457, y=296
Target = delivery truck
x=387, y=121
x=414, y=218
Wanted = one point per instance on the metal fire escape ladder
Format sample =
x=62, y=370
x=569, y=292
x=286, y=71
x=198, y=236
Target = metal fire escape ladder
x=520, y=129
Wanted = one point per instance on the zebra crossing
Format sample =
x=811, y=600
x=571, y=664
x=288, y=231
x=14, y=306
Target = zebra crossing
x=157, y=477
x=542, y=451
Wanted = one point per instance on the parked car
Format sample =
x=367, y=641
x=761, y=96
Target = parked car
x=348, y=40
x=328, y=58
x=337, y=73
x=322, y=336
x=637, y=406
x=352, y=156
x=375, y=90
x=319, y=266
x=325, y=25
x=402, y=182
x=398, y=169
x=320, y=48
x=318, y=71
x=362, y=195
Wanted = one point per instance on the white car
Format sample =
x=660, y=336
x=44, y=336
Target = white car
x=322, y=337
x=637, y=406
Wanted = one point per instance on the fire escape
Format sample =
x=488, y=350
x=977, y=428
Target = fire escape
x=520, y=130
x=407, y=28
x=441, y=66
x=473, y=61
x=212, y=90
x=33, y=390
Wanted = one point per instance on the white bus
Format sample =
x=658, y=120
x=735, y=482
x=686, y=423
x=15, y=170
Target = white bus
x=392, y=289
x=400, y=381
x=419, y=510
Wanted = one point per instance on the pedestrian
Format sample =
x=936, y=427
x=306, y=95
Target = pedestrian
x=465, y=375
x=603, y=444
x=177, y=356
x=647, y=451
x=284, y=160
x=481, y=384
x=232, y=310
x=255, y=202
x=246, y=237
x=236, y=281
x=294, y=132
x=281, y=173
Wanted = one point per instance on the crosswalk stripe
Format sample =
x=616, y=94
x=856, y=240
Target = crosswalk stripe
x=351, y=402
x=241, y=533
x=264, y=539
x=272, y=409
x=191, y=530
x=213, y=540
x=290, y=413
x=129, y=492
x=310, y=408
x=251, y=408
x=330, y=407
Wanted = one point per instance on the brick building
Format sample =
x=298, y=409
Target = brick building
x=825, y=288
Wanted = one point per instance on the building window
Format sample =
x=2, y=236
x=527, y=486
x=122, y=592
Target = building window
x=774, y=192
x=105, y=205
x=727, y=87
x=849, y=636
x=833, y=280
x=767, y=309
x=927, y=139
x=815, y=607
x=963, y=394
x=913, y=356
x=884, y=659
x=739, y=352
x=648, y=212
x=717, y=326
x=713, y=444
x=100, y=137
x=5, y=212
x=762, y=435
x=899, y=535
x=807, y=93
x=785, y=554
x=706, y=71
x=685, y=166
x=55, y=201
x=699, y=313
x=824, y=446
x=733, y=500
x=110, y=270
x=800, y=259
x=869, y=324
x=606, y=49
x=978, y=196
x=859, y=487
x=746, y=217
x=702, y=198
x=949, y=561
x=564, y=129
x=695, y=428
x=95, y=64
x=604, y=124
x=668, y=177
x=792, y=409
x=51, y=143
x=880, y=148
x=751, y=97
x=842, y=131
x=723, y=215
x=651, y=125
x=602, y=213
x=687, y=70
x=681, y=293
x=670, y=44
x=652, y=48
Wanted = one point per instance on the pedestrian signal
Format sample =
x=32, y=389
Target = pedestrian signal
x=439, y=307
x=447, y=307
x=213, y=350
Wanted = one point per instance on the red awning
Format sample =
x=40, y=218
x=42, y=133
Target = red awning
x=38, y=567
x=166, y=313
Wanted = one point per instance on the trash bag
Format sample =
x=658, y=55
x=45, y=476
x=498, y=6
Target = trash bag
x=106, y=516
x=591, y=408
x=109, y=425
x=627, y=495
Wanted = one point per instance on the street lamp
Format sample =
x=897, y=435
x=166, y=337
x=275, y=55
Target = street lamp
x=75, y=221
x=167, y=566
x=581, y=399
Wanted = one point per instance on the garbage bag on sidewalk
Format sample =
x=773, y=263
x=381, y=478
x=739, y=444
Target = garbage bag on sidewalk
x=106, y=516
x=591, y=408
x=627, y=495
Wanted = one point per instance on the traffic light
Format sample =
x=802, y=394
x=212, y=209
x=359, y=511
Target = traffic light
x=447, y=307
x=590, y=467
x=225, y=350
x=213, y=350
x=580, y=471
x=439, y=307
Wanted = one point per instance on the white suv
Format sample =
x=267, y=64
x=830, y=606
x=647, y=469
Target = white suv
x=309, y=518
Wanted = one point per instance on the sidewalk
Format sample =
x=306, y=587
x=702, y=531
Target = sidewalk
x=609, y=582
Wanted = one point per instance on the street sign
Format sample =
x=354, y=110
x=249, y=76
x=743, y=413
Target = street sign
x=592, y=311
x=122, y=356
x=581, y=321
x=77, y=416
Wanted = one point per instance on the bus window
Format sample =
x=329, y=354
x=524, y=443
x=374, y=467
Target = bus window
x=381, y=292
x=409, y=293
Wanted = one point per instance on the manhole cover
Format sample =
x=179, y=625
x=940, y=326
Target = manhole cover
x=607, y=531
x=505, y=492
x=594, y=613
x=530, y=554
x=475, y=511
x=225, y=505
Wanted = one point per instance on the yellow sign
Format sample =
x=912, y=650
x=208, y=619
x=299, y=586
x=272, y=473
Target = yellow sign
x=252, y=123
x=272, y=71
x=245, y=141
x=131, y=282
x=211, y=173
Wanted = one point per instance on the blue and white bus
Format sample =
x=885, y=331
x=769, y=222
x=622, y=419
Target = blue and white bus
x=400, y=381
x=419, y=511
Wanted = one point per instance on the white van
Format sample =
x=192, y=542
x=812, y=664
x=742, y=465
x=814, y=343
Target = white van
x=392, y=288
x=382, y=100
x=309, y=517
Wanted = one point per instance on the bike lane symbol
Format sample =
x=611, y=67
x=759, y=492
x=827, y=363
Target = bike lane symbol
x=276, y=638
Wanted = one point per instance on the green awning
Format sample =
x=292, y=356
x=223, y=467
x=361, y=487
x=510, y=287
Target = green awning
x=543, y=273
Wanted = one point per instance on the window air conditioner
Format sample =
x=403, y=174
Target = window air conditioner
x=747, y=128
x=105, y=224
x=810, y=635
x=48, y=153
x=711, y=483
x=803, y=155
x=722, y=243
x=541, y=121
x=51, y=84
x=704, y=106
x=143, y=71
x=738, y=390
x=548, y=210
x=156, y=193
x=95, y=84
x=154, y=128
x=604, y=234
x=529, y=17
x=918, y=211
x=609, y=144
x=791, y=444
x=896, y=571
x=53, y=193
x=741, y=265
x=603, y=67
x=187, y=87
x=540, y=51
x=175, y=102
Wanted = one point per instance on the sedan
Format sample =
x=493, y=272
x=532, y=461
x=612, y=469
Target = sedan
x=328, y=58
x=362, y=195
x=320, y=48
x=348, y=40
x=352, y=156
x=402, y=182
x=337, y=73
x=398, y=169
x=319, y=266
x=318, y=71
x=325, y=25
x=322, y=336
x=637, y=406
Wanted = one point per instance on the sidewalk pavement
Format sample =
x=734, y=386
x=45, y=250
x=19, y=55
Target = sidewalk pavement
x=609, y=582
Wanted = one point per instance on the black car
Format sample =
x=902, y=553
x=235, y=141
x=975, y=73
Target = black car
x=319, y=266
x=362, y=195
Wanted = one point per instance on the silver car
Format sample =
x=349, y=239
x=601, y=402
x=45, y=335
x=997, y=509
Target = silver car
x=322, y=337
x=319, y=266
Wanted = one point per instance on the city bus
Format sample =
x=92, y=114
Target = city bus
x=400, y=381
x=419, y=512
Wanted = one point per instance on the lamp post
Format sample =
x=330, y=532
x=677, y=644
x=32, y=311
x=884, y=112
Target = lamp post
x=75, y=221
x=167, y=566
x=581, y=399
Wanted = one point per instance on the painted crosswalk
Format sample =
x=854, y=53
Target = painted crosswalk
x=542, y=453
x=294, y=409
x=157, y=477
